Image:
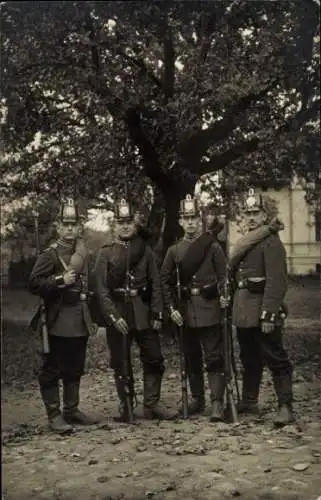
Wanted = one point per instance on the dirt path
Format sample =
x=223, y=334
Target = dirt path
x=192, y=460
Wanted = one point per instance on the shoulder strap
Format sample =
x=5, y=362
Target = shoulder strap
x=247, y=243
x=54, y=246
x=195, y=256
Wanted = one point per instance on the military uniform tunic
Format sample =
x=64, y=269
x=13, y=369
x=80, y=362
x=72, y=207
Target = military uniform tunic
x=144, y=305
x=267, y=260
x=144, y=278
x=264, y=266
x=198, y=312
x=67, y=328
x=201, y=315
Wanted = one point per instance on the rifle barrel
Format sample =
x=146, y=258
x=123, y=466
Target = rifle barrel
x=126, y=354
x=182, y=357
x=44, y=329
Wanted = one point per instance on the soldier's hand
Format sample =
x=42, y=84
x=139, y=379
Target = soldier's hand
x=121, y=326
x=225, y=301
x=267, y=327
x=176, y=317
x=70, y=277
x=156, y=325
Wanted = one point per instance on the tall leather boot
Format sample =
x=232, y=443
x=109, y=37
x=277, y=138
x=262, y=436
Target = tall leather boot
x=196, y=384
x=71, y=412
x=152, y=407
x=51, y=399
x=283, y=389
x=216, y=384
x=250, y=392
x=123, y=410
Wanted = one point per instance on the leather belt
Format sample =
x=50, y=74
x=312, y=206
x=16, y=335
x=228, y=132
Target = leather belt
x=72, y=297
x=253, y=284
x=191, y=290
x=208, y=291
x=132, y=292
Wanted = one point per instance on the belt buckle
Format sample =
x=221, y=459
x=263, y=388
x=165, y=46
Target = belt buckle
x=133, y=292
x=195, y=291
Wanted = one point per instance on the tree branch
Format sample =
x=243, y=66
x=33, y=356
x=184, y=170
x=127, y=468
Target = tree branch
x=198, y=143
x=169, y=61
x=301, y=117
x=114, y=104
x=139, y=63
x=219, y=162
x=43, y=64
x=207, y=31
x=150, y=158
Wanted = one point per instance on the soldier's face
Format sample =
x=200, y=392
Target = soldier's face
x=191, y=225
x=255, y=219
x=125, y=229
x=68, y=230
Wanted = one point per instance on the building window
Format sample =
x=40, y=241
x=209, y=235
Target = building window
x=317, y=226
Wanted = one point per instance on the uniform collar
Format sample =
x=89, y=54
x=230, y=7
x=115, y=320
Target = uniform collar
x=66, y=244
x=190, y=240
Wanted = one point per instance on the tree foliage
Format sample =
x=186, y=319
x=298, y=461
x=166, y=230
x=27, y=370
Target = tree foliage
x=130, y=93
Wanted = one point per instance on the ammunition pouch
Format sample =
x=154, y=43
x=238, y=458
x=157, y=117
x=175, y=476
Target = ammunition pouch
x=210, y=292
x=186, y=292
x=253, y=285
x=146, y=294
x=120, y=294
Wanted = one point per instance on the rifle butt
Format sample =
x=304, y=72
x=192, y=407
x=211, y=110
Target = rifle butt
x=185, y=408
x=183, y=373
x=130, y=412
x=184, y=395
x=45, y=341
x=44, y=330
x=232, y=411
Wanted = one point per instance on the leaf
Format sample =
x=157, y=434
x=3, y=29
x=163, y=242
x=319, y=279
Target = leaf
x=301, y=467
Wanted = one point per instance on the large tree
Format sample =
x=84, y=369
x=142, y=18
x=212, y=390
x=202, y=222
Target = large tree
x=126, y=93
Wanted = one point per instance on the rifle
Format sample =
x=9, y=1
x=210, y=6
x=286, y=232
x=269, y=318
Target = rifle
x=182, y=359
x=229, y=361
x=125, y=352
x=41, y=308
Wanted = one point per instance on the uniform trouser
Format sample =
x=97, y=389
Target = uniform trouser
x=66, y=360
x=258, y=349
x=210, y=339
x=150, y=354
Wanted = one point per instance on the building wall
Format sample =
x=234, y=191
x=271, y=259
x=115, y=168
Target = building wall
x=299, y=235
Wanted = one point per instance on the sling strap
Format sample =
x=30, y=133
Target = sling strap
x=195, y=256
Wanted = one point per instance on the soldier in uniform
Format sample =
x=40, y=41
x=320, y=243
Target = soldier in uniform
x=129, y=295
x=202, y=267
x=59, y=276
x=260, y=275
